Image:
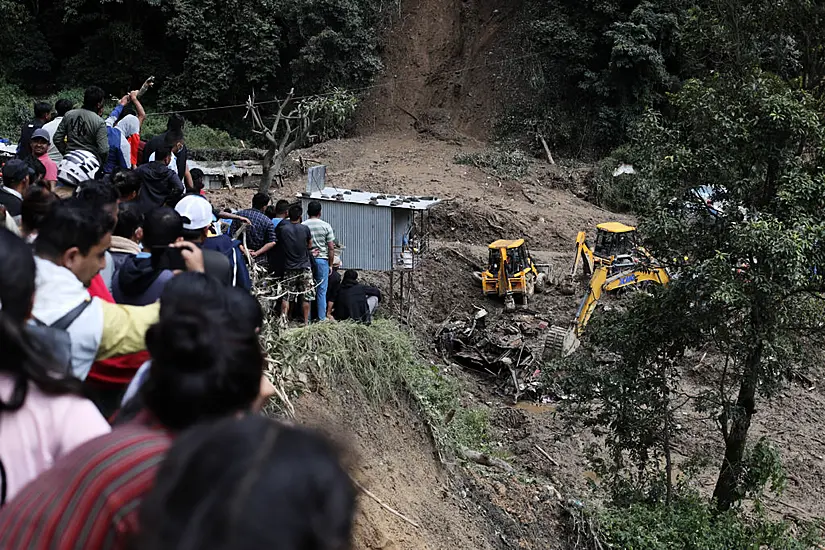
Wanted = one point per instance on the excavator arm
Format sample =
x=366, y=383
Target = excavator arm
x=583, y=255
x=601, y=283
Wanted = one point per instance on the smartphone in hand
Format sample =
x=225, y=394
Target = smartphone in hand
x=164, y=257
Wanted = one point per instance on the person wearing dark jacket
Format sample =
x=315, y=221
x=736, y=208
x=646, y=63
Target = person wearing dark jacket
x=138, y=282
x=159, y=184
x=356, y=301
x=42, y=115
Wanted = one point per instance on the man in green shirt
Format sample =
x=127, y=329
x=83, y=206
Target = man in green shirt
x=83, y=129
x=323, y=251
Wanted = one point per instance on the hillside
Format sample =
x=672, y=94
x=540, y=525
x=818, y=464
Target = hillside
x=470, y=506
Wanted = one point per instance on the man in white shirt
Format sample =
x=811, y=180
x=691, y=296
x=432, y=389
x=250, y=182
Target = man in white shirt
x=62, y=107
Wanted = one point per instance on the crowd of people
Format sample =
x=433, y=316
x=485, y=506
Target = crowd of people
x=132, y=371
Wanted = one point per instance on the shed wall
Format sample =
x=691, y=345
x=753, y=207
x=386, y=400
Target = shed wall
x=365, y=231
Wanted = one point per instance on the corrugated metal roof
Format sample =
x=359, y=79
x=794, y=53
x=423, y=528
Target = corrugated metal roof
x=350, y=196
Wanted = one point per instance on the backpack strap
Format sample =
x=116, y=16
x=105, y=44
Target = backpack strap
x=3, y=484
x=66, y=321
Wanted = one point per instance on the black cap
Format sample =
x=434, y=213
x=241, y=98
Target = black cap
x=15, y=170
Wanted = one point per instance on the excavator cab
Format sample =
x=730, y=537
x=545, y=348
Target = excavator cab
x=615, y=242
x=510, y=272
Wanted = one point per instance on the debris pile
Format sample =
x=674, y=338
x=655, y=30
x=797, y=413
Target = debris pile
x=509, y=348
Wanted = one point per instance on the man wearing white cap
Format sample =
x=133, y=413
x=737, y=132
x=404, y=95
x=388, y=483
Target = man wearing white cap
x=198, y=216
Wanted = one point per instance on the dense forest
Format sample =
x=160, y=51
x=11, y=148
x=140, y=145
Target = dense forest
x=593, y=68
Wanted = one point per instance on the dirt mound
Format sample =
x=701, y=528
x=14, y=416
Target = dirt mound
x=395, y=459
x=451, y=55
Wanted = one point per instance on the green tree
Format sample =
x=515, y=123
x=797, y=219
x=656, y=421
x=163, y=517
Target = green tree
x=598, y=65
x=750, y=283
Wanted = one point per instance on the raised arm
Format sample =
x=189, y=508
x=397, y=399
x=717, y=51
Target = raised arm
x=141, y=114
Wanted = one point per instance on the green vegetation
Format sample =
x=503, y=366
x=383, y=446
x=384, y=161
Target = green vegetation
x=380, y=361
x=688, y=524
x=498, y=162
x=203, y=53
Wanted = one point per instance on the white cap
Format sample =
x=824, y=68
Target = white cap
x=195, y=211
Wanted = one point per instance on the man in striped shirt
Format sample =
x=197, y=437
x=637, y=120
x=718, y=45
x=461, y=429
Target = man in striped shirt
x=323, y=251
x=201, y=370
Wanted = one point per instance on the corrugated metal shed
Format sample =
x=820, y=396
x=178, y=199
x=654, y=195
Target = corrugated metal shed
x=365, y=232
x=372, y=227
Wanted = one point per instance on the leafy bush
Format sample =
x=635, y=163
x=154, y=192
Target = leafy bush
x=197, y=136
x=690, y=523
x=618, y=193
x=504, y=164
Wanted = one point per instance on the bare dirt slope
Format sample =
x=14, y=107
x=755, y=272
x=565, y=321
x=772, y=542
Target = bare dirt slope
x=394, y=458
x=479, y=507
x=447, y=63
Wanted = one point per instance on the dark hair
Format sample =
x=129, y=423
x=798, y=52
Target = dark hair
x=281, y=207
x=126, y=182
x=24, y=358
x=172, y=138
x=314, y=209
x=197, y=179
x=260, y=200
x=176, y=124
x=72, y=223
x=246, y=308
x=42, y=108
x=63, y=106
x=295, y=212
x=129, y=219
x=97, y=193
x=269, y=211
x=249, y=484
x=192, y=235
x=92, y=98
x=37, y=204
x=205, y=365
x=350, y=275
x=163, y=152
x=161, y=226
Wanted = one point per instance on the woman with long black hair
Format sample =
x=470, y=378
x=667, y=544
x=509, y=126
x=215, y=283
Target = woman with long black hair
x=42, y=414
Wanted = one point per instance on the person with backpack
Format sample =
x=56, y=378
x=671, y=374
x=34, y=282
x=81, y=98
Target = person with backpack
x=43, y=414
x=70, y=251
x=42, y=115
x=207, y=364
x=222, y=255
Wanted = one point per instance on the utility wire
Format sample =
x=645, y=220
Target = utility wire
x=354, y=90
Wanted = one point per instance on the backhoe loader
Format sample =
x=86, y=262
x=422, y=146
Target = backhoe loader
x=614, y=241
x=511, y=272
x=617, y=262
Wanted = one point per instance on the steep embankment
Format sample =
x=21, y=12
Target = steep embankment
x=448, y=64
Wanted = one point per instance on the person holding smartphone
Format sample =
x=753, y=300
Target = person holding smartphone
x=142, y=277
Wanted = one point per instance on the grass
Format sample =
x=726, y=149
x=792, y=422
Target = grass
x=381, y=362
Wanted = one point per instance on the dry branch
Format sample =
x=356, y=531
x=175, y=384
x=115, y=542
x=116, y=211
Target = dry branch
x=383, y=505
x=547, y=150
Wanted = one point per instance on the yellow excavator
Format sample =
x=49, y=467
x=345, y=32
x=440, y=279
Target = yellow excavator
x=511, y=272
x=613, y=240
x=617, y=262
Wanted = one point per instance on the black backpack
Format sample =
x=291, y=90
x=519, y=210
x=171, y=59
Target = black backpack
x=56, y=338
